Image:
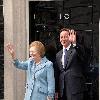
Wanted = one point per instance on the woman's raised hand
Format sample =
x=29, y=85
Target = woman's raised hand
x=11, y=50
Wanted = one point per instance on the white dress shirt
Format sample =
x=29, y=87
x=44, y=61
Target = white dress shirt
x=64, y=54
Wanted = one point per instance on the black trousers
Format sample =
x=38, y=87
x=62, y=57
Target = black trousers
x=78, y=96
x=64, y=97
x=67, y=94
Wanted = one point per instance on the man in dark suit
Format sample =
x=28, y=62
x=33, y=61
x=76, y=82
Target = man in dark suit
x=69, y=67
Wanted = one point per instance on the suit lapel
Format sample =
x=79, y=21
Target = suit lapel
x=70, y=54
x=41, y=65
x=59, y=59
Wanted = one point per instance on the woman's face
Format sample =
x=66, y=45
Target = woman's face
x=34, y=54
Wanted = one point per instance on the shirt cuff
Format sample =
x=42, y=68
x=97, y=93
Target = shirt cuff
x=74, y=44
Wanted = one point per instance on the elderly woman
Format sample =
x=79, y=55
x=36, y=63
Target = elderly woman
x=40, y=73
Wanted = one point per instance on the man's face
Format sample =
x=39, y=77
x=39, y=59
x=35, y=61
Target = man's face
x=64, y=38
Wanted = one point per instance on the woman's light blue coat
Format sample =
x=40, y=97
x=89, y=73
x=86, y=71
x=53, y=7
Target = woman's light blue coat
x=40, y=79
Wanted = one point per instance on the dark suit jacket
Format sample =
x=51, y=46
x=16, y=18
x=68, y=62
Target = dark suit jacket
x=72, y=75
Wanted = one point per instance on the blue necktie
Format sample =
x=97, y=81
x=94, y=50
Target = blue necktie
x=65, y=57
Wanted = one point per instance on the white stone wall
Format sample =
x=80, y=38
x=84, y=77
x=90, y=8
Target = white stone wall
x=15, y=32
